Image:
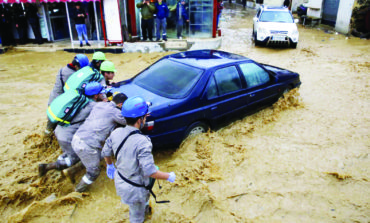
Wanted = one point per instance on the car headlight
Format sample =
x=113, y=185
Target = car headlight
x=295, y=35
x=262, y=33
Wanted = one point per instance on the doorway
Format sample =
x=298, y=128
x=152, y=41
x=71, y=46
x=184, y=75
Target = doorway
x=58, y=20
x=330, y=11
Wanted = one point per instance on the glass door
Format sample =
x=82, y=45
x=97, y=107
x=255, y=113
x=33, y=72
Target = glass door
x=58, y=20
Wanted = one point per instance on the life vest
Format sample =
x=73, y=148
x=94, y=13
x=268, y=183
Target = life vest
x=79, y=79
x=66, y=106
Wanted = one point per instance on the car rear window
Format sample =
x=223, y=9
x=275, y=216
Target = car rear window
x=276, y=16
x=168, y=78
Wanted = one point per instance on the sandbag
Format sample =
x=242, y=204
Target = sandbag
x=66, y=106
x=79, y=79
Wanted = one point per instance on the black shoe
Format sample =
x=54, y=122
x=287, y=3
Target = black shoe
x=88, y=44
x=81, y=45
x=42, y=169
x=164, y=39
x=148, y=210
x=158, y=40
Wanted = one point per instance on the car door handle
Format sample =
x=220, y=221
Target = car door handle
x=251, y=95
x=213, y=108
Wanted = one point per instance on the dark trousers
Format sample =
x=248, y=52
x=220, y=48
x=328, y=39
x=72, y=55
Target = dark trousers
x=7, y=37
x=179, y=26
x=22, y=30
x=147, y=26
x=35, y=24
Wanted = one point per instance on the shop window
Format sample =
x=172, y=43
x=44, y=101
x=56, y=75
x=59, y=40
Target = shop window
x=201, y=18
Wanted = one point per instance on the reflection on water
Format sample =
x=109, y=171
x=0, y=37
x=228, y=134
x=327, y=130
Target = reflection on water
x=304, y=159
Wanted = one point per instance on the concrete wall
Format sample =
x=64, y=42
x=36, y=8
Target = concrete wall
x=344, y=16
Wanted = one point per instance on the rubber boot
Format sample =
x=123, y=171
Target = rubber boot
x=82, y=186
x=45, y=167
x=71, y=172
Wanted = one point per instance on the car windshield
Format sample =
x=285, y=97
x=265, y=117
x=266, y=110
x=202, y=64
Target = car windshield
x=276, y=16
x=168, y=78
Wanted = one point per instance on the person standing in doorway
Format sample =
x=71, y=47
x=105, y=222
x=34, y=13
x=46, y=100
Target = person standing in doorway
x=33, y=19
x=147, y=20
x=20, y=22
x=80, y=17
x=7, y=37
x=161, y=20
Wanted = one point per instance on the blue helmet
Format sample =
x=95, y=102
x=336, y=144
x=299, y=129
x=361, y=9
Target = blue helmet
x=82, y=60
x=93, y=88
x=134, y=107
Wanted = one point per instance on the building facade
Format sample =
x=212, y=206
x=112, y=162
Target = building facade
x=111, y=21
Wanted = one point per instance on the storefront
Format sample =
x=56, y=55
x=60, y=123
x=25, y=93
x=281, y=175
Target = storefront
x=111, y=21
x=202, y=16
x=56, y=18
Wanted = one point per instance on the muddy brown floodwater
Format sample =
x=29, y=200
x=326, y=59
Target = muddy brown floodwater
x=305, y=159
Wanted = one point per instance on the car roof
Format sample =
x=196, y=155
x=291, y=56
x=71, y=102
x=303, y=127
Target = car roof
x=206, y=58
x=274, y=8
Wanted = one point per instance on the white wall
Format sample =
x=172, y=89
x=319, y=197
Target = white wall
x=315, y=4
x=296, y=3
x=344, y=16
x=273, y=2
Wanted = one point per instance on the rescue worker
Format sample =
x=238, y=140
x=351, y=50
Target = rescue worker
x=89, y=138
x=78, y=62
x=134, y=160
x=108, y=70
x=64, y=134
x=97, y=59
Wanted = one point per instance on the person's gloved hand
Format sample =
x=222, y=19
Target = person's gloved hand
x=172, y=177
x=110, y=170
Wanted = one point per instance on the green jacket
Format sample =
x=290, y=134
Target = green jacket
x=147, y=11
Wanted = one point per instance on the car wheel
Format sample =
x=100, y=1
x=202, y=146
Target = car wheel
x=286, y=90
x=254, y=34
x=258, y=43
x=196, y=128
x=293, y=45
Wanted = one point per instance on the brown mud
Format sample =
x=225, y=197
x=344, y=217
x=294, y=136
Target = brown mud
x=304, y=159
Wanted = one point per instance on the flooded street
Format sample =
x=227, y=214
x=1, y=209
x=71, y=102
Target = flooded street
x=305, y=159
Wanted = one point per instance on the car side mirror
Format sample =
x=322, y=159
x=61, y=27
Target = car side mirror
x=296, y=20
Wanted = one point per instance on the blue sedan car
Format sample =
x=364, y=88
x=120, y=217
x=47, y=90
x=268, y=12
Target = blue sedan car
x=193, y=91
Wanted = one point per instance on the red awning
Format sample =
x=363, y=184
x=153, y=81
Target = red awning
x=42, y=1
